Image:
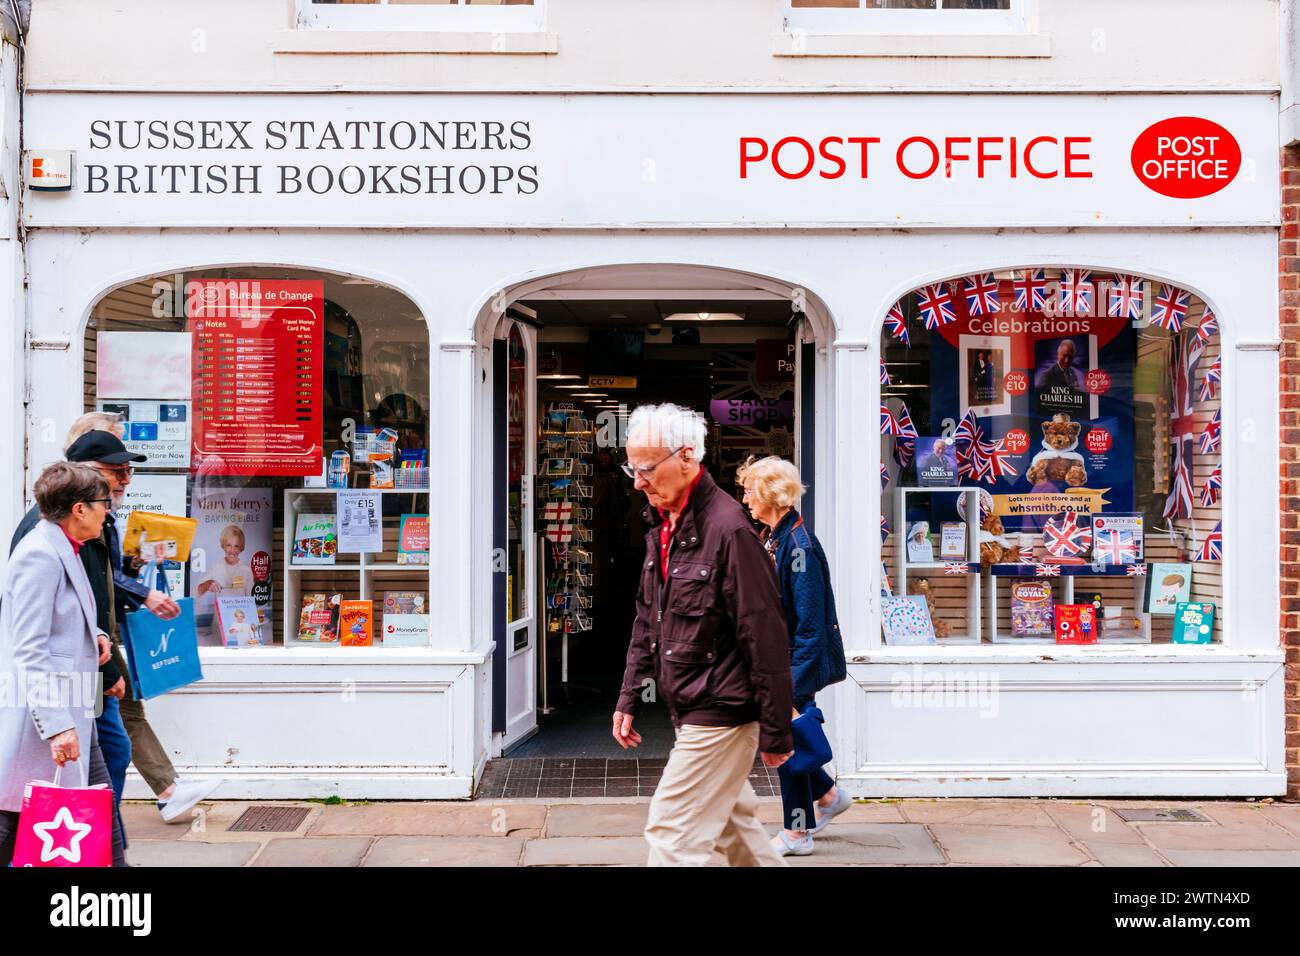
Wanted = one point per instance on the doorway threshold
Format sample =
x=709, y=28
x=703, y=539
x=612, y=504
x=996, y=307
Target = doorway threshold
x=565, y=778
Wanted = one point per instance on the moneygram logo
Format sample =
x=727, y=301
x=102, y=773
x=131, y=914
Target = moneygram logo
x=1186, y=157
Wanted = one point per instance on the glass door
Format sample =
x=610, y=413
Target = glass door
x=514, y=554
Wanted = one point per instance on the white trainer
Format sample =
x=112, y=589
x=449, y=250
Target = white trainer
x=784, y=846
x=824, y=815
x=185, y=796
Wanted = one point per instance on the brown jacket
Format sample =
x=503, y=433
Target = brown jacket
x=713, y=638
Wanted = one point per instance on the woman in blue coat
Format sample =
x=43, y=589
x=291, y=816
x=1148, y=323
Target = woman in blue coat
x=772, y=487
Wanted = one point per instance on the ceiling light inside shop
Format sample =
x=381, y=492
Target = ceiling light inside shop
x=558, y=376
x=704, y=317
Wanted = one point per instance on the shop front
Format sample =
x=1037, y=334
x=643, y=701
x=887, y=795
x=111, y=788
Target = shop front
x=383, y=361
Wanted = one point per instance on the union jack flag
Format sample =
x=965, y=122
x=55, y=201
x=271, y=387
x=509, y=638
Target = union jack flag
x=884, y=476
x=1030, y=287
x=1126, y=297
x=935, y=303
x=904, y=437
x=1212, y=547
x=979, y=459
x=1000, y=460
x=884, y=529
x=981, y=294
x=956, y=567
x=968, y=430
x=1111, y=546
x=896, y=322
x=1213, y=375
x=1064, y=536
x=884, y=373
x=1169, y=308
x=1213, y=486
x=1210, y=437
x=1182, y=429
x=1209, y=326
x=1076, y=291
x=1136, y=570
x=887, y=424
x=1046, y=570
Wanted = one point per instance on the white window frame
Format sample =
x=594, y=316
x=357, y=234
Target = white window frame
x=456, y=17
x=909, y=22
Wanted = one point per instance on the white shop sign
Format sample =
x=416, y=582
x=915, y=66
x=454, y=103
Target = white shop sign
x=635, y=160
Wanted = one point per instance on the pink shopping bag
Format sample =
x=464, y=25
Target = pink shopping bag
x=65, y=826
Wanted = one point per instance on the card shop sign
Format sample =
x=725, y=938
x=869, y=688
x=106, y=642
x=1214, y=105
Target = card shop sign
x=751, y=412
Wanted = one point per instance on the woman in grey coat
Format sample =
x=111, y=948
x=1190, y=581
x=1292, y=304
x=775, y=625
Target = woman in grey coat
x=51, y=648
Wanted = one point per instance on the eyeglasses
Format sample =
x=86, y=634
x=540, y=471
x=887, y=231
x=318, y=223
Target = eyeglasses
x=106, y=502
x=645, y=471
x=117, y=471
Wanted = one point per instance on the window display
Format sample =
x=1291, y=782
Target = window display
x=291, y=408
x=1082, y=409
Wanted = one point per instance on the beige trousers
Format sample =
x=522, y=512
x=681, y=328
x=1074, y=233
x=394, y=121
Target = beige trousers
x=704, y=804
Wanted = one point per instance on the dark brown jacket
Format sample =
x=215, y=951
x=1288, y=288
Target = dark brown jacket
x=713, y=638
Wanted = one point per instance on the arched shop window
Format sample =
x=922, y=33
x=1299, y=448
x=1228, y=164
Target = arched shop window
x=1080, y=409
x=286, y=412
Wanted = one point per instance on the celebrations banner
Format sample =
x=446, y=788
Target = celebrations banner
x=1057, y=386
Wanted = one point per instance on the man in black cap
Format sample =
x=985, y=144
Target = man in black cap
x=117, y=593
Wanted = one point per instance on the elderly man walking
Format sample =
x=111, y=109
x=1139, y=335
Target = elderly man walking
x=709, y=636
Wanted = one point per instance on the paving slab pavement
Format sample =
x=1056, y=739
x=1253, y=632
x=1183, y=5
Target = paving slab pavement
x=607, y=831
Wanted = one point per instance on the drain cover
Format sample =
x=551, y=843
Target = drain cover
x=270, y=819
x=1158, y=815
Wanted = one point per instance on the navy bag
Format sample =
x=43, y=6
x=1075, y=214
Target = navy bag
x=163, y=655
x=811, y=748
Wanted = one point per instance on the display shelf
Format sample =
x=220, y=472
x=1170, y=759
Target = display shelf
x=358, y=576
x=974, y=616
x=1069, y=572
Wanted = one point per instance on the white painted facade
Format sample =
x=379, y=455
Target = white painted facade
x=634, y=124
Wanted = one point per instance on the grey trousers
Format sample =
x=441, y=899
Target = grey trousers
x=98, y=774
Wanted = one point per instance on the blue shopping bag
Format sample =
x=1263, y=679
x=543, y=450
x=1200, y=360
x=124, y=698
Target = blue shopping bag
x=163, y=655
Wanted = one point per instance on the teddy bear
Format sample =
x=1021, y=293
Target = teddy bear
x=994, y=546
x=1058, y=461
x=922, y=586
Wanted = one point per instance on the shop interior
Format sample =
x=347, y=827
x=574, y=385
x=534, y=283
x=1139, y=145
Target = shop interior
x=700, y=354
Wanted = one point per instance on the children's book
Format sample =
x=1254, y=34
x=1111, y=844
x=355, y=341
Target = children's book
x=1031, y=608
x=316, y=540
x=238, y=623
x=1076, y=624
x=356, y=627
x=1193, y=623
x=906, y=620
x=319, y=619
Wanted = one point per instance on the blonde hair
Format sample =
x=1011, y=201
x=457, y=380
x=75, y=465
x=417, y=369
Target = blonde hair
x=775, y=480
x=230, y=532
x=94, y=422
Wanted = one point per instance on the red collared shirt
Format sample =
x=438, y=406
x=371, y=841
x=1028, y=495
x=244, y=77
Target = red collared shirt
x=668, y=528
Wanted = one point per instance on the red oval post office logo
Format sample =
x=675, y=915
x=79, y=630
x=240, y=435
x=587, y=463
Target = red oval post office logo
x=1186, y=157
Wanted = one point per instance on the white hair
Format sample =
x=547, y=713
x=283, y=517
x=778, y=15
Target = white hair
x=668, y=426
